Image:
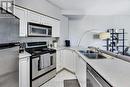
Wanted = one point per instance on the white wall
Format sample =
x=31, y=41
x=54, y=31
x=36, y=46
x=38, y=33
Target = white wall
x=101, y=23
x=41, y=6
x=64, y=32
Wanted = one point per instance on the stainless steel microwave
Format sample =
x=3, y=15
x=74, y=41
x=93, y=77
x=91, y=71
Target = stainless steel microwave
x=39, y=30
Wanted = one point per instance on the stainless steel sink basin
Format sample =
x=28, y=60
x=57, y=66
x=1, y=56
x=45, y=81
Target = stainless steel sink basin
x=92, y=55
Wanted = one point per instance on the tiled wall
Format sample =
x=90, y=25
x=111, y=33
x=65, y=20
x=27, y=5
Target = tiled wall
x=37, y=39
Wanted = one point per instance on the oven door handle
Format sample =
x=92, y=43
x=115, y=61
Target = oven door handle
x=39, y=68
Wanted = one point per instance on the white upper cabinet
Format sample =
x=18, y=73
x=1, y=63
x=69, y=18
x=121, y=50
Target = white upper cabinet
x=55, y=28
x=47, y=21
x=22, y=15
x=34, y=17
x=54, y=23
x=26, y=16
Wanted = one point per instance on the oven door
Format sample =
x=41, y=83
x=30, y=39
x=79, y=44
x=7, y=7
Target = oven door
x=42, y=65
x=37, y=31
x=53, y=60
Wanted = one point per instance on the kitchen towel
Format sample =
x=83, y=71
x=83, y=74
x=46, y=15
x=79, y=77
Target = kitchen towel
x=45, y=60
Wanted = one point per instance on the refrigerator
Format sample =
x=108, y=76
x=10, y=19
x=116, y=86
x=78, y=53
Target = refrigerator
x=9, y=49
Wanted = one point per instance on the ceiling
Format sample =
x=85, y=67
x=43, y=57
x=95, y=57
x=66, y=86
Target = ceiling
x=93, y=7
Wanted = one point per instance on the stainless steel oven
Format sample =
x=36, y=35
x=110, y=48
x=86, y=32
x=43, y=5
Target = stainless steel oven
x=42, y=63
x=43, y=68
x=39, y=30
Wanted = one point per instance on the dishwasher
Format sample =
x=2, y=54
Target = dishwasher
x=94, y=79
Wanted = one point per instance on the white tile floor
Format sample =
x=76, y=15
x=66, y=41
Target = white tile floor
x=59, y=79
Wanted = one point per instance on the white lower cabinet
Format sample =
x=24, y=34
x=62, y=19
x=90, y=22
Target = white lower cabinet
x=59, y=60
x=72, y=61
x=66, y=59
x=68, y=56
x=24, y=73
x=81, y=71
x=75, y=55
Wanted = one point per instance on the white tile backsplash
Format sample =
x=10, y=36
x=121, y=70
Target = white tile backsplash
x=37, y=39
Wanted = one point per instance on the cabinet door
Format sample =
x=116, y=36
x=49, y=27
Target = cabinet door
x=47, y=21
x=58, y=60
x=22, y=15
x=62, y=57
x=24, y=72
x=52, y=22
x=81, y=71
x=34, y=17
x=55, y=28
x=69, y=60
x=75, y=56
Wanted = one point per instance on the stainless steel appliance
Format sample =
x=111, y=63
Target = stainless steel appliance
x=39, y=29
x=9, y=62
x=42, y=63
x=94, y=79
x=9, y=49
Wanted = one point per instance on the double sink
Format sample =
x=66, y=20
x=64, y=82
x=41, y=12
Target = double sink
x=92, y=55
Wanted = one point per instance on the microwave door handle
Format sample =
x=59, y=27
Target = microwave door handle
x=46, y=31
x=30, y=29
